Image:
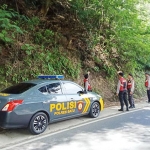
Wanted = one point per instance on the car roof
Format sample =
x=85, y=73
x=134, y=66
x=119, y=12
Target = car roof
x=40, y=81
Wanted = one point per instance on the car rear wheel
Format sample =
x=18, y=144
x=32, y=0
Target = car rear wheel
x=94, y=110
x=38, y=123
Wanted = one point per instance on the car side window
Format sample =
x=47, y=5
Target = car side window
x=43, y=89
x=71, y=88
x=53, y=88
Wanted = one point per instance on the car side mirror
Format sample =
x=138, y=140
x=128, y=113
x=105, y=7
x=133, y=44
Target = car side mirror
x=81, y=92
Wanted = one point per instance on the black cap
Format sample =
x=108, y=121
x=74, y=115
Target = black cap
x=130, y=74
x=86, y=76
x=121, y=74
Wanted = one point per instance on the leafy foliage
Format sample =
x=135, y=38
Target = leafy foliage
x=41, y=62
x=8, y=28
x=116, y=24
x=115, y=33
x=36, y=54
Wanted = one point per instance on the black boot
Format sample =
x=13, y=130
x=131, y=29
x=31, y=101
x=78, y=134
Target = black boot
x=130, y=106
x=120, y=109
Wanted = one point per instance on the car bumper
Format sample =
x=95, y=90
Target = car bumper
x=12, y=120
x=101, y=103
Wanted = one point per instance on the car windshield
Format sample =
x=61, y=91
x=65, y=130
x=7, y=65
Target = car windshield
x=18, y=88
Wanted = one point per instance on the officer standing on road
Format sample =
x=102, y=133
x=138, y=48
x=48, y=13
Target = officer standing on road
x=122, y=91
x=130, y=89
x=147, y=85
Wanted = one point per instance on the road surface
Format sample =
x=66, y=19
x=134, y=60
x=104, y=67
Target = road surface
x=122, y=131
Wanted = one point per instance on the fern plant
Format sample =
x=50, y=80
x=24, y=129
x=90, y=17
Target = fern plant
x=8, y=27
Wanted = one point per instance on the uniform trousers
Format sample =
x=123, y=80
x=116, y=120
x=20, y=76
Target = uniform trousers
x=148, y=95
x=123, y=99
x=130, y=98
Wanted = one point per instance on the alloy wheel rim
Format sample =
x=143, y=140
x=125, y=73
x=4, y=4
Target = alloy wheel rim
x=95, y=110
x=39, y=123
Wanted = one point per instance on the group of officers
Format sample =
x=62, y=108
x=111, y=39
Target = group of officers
x=125, y=89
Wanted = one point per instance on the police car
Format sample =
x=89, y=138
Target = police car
x=36, y=103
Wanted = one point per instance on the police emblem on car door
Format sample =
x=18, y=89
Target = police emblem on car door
x=75, y=95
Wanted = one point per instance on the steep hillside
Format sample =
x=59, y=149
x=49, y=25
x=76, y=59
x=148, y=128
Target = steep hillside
x=70, y=38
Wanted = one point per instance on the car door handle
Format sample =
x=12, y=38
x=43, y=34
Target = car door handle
x=48, y=101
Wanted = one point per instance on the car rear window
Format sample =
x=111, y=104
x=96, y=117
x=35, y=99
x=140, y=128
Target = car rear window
x=18, y=88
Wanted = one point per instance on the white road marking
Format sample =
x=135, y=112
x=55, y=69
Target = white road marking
x=66, y=129
x=147, y=108
x=115, y=107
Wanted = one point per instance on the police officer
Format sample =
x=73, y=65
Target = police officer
x=147, y=85
x=122, y=92
x=87, y=86
x=130, y=89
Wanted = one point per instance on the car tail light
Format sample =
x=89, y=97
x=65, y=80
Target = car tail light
x=11, y=105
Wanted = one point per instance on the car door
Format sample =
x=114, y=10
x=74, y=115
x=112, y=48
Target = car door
x=76, y=96
x=55, y=100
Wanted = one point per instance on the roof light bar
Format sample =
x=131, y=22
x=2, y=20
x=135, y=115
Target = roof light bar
x=51, y=77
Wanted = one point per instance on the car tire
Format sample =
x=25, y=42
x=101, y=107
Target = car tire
x=95, y=110
x=38, y=123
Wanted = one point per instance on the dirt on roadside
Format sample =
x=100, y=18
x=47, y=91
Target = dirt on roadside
x=108, y=103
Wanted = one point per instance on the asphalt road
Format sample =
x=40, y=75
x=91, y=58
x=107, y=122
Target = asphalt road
x=123, y=131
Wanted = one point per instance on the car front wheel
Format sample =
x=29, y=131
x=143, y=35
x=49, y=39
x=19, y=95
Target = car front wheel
x=38, y=123
x=94, y=110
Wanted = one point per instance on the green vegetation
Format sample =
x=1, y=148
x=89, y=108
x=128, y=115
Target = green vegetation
x=62, y=37
x=38, y=55
x=116, y=24
x=9, y=28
